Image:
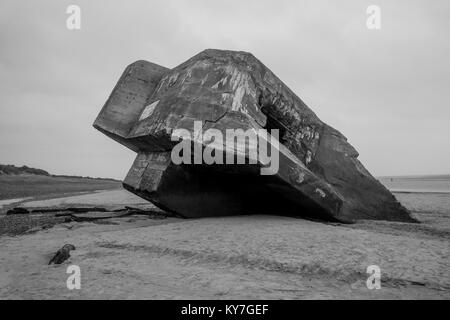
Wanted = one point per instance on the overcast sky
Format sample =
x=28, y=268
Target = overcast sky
x=387, y=90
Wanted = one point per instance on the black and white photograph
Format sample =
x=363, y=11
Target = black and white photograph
x=224, y=154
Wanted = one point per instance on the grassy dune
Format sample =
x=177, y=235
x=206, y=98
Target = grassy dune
x=21, y=186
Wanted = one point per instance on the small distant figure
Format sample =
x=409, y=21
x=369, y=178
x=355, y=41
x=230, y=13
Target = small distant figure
x=62, y=254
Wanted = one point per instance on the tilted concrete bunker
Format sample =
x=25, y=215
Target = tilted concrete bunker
x=319, y=175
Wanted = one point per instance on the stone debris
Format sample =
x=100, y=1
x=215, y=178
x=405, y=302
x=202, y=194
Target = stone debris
x=44, y=218
x=17, y=210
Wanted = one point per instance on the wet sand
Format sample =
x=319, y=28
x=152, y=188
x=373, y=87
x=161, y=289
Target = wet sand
x=246, y=257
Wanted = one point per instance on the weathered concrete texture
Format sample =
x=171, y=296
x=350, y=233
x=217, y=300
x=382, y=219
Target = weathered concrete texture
x=319, y=175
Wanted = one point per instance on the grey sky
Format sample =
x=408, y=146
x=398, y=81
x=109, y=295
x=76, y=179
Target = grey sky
x=388, y=90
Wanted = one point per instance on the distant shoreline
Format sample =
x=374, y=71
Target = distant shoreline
x=419, y=191
x=418, y=177
x=24, y=186
x=438, y=184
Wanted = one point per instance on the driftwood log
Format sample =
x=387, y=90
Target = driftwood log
x=62, y=254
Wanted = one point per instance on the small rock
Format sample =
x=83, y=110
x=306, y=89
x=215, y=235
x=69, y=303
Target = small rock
x=62, y=254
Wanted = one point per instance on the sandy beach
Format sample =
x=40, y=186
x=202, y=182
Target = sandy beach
x=245, y=257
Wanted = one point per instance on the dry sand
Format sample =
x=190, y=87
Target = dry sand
x=247, y=257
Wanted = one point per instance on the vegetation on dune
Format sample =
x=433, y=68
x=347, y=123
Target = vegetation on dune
x=8, y=169
x=11, y=169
